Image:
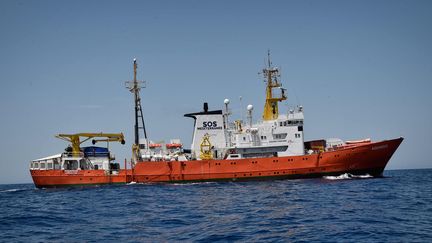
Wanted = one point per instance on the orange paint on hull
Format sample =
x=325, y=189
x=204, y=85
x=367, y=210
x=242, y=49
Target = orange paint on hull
x=59, y=178
x=364, y=158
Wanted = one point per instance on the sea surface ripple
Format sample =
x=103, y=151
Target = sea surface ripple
x=396, y=208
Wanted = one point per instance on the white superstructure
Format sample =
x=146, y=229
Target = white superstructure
x=279, y=137
x=276, y=135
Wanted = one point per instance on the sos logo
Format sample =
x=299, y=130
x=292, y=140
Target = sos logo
x=209, y=124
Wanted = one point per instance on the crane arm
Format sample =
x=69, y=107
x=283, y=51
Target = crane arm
x=74, y=139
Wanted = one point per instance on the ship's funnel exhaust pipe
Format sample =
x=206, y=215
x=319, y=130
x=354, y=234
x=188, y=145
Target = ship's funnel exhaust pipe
x=208, y=123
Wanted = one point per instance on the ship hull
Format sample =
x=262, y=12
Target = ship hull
x=365, y=158
x=62, y=178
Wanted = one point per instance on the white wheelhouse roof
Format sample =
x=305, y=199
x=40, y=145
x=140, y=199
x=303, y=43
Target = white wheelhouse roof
x=49, y=157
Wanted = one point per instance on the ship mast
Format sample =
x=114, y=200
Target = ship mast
x=135, y=87
x=271, y=75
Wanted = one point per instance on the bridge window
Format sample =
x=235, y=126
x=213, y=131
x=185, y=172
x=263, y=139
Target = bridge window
x=280, y=136
x=56, y=164
x=71, y=165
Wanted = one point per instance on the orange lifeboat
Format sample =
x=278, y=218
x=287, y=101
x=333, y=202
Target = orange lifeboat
x=173, y=145
x=155, y=145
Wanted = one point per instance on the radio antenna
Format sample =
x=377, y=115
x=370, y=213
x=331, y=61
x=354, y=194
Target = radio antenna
x=134, y=87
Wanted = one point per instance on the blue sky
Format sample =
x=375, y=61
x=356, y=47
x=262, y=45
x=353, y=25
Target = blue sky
x=360, y=69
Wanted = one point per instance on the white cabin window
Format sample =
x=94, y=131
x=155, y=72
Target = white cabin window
x=36, y=165
x=280, y=136
x=50, y=166
x=234, y=156
x=42, y=165
x=56, y=165
x=71, y=165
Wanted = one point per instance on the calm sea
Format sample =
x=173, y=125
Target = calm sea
x=397, y=208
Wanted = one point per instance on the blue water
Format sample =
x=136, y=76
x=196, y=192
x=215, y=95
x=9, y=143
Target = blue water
x=391, y=209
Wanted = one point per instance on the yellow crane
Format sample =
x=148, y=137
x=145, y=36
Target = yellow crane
x=75, y=139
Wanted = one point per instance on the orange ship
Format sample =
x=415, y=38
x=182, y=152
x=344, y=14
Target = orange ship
x=221, y=150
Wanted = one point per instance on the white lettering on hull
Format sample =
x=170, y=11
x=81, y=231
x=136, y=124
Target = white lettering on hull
x=71, y=172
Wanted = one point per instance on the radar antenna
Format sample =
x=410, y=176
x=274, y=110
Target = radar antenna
x=272, y=76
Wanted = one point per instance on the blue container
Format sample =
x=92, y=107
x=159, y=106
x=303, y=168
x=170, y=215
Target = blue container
x=93, y=151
